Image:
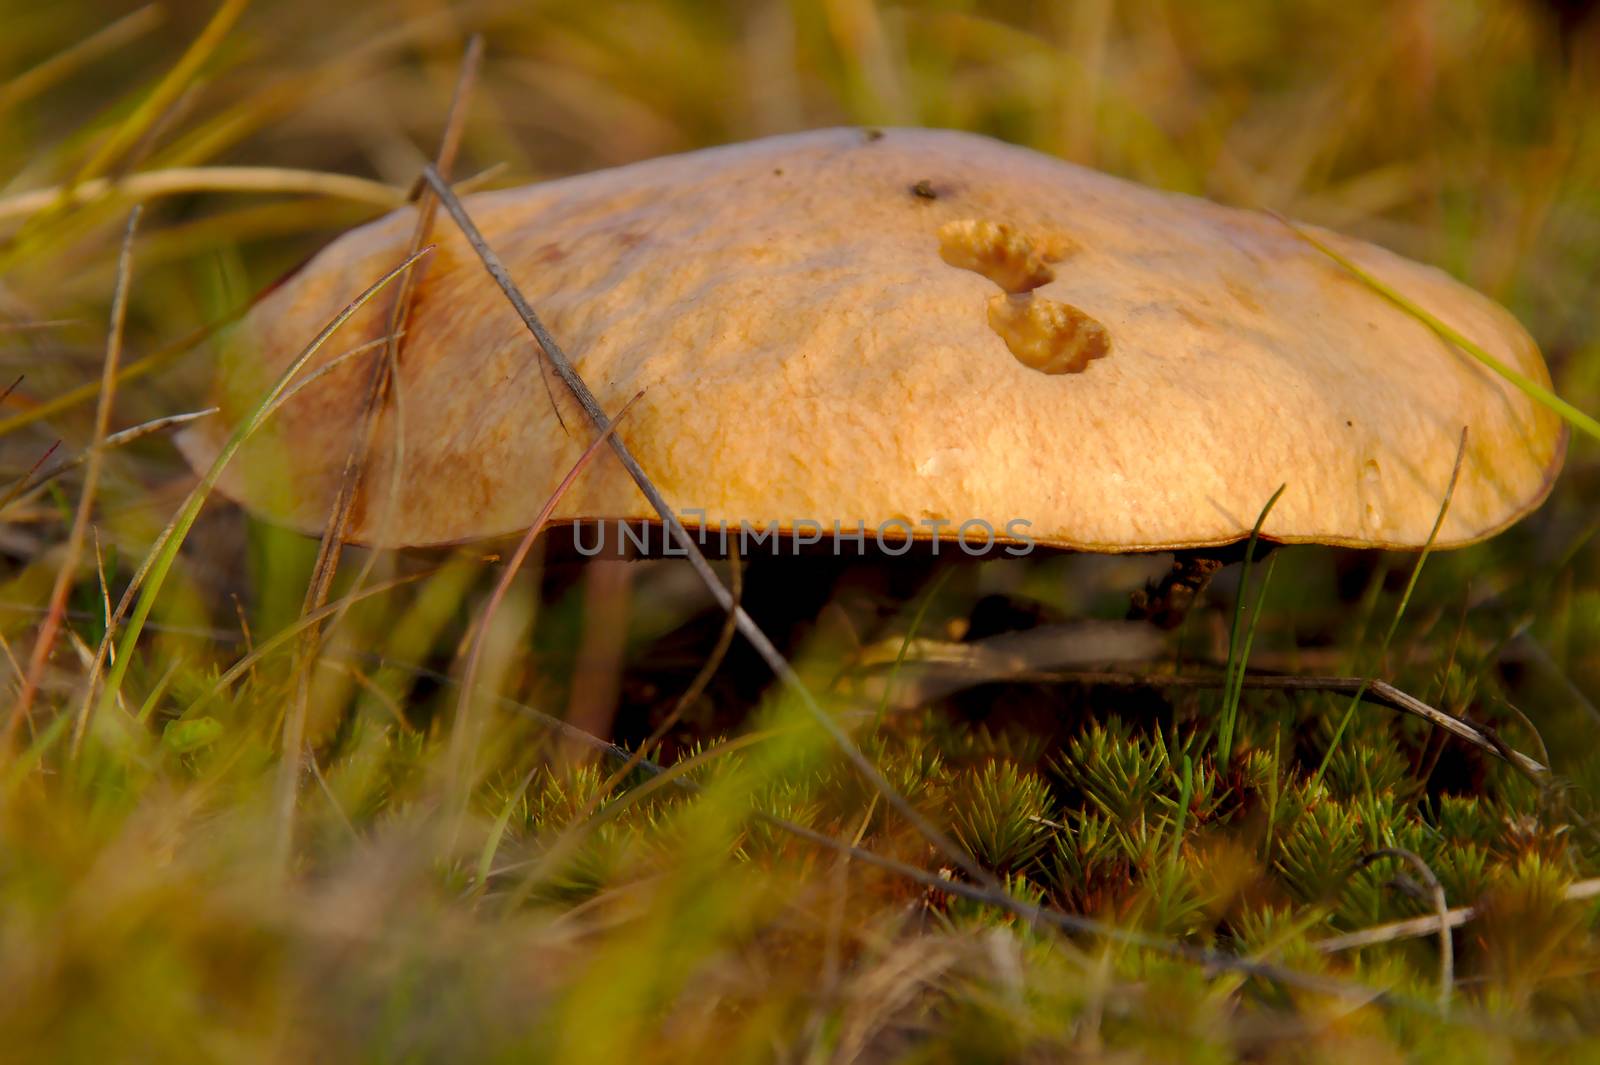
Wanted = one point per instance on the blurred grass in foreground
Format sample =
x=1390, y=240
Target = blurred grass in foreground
x=528, y=911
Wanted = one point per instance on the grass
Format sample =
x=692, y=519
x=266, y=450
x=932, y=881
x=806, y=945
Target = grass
x=1218, y=869
x=1241, y=637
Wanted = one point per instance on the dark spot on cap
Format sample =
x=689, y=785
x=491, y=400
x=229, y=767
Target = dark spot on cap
x=872, y=133
x=777, y=171
x=924, y=190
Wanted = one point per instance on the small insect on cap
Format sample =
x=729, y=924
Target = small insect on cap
x=912, y=326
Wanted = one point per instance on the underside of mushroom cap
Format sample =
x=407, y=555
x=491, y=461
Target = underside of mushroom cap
x=917, y=326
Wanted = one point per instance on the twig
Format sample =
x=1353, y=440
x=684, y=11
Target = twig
x=746, y=625
x=117, y=439
x=939, y=667
x=1441, y=909
x=380, y=384
x=1413, y=927
x=67, y=575
x=1379, y=692
x=999, y=899
x=383, y=371
x=20, y=485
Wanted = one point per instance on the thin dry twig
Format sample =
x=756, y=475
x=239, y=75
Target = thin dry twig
x=1412, y=927
x=19, y=486
x=383, y=374
x=1075, y=924
x=381, y=385
x=1379, y=692
x=1447, y=963
x=118, y=439
x=745, y=624
x=66, y=576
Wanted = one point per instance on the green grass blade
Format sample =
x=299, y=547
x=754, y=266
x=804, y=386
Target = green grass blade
x=1394, y=623
x=1531, y=388
x=1185, y=797
x=1239, y=641
x=165, y=550
x=905, y=645
x=166, y=92
x=107, y=40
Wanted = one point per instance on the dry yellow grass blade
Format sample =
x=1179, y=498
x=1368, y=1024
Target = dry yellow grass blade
x=147, y=582
x=66, y=576
x=183, y=180
x=104, y=41
x=166, y=92
x=383, y=392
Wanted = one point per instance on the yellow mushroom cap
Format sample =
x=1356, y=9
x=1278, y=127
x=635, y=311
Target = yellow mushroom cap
x=913, y=325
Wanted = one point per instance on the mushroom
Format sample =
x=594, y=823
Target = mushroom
x=918, y=327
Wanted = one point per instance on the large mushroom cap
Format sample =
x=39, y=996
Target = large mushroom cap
x=862, y=326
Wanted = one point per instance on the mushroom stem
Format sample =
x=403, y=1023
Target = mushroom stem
x=1166, y=602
